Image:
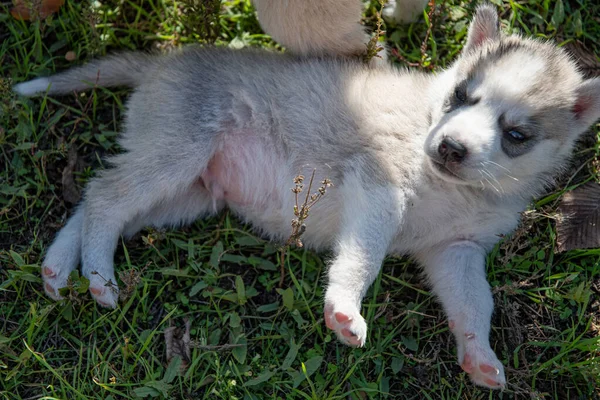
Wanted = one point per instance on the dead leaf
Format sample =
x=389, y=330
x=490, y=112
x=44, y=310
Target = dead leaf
x=178, y=341
x=578, y=223
x=35, y=9
x=70, y=191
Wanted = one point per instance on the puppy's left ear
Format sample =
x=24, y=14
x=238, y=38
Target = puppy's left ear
x=485, y=26
x=587, y=105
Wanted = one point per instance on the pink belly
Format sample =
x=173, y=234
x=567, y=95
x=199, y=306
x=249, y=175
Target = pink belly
x=222, y=179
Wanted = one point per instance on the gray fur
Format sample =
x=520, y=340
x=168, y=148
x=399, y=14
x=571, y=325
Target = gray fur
x=208, y=128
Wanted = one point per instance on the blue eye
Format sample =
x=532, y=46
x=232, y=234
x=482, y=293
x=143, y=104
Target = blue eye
x=460, y=94
x=515, y=135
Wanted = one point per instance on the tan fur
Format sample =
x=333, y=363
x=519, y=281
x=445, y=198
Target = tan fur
x=314, y=27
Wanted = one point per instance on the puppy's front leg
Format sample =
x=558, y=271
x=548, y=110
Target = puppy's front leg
x=370, y=220
x=457, y=274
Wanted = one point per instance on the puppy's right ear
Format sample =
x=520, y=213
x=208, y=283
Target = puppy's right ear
x=485, y=26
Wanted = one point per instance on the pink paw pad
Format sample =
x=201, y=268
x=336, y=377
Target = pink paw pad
x=48, y=272
x=98, y=294
x=103, y=304
x=467, y=365
x=451, y=325
x=346, y=332
x=341, y=318
x=486, y=369
x=491, y=382
x=51, y=292
x=328, y=322
x=48, y=288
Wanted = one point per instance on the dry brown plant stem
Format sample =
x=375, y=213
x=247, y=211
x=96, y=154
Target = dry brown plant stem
x=373, y=47
x=423, y=49
x=301, y=212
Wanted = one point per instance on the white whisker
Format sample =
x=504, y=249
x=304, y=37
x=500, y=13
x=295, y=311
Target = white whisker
x=488, y=181
x=507, y=173
x=492, y=177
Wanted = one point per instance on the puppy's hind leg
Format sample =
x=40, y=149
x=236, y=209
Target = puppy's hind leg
x=63, y=255
x=139, y=184
x=194, y=203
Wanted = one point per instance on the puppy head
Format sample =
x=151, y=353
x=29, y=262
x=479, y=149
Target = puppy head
x=512, y=109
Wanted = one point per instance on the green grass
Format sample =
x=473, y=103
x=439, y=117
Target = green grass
x=250, y=338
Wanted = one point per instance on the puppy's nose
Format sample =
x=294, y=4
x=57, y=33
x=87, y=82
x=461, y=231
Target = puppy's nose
x=451, y=150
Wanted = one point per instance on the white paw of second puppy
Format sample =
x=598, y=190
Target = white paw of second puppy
x=480, y=362
x=403, y=11
x=346, y=321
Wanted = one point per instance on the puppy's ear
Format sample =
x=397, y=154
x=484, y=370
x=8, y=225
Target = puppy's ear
x=485, y=26
x=587, y=105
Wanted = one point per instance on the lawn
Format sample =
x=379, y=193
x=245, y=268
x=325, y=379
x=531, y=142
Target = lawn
x=249, y=337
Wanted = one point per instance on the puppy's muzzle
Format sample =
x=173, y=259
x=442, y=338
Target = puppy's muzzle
x=452, y=151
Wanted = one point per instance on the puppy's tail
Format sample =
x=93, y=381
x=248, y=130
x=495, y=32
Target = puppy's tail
x=126, y=69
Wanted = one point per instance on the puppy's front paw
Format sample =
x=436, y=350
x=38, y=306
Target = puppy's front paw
x=345, y=320
x=480, y=362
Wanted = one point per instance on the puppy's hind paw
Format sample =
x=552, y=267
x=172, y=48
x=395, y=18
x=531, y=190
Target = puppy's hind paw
x=349, y=326
x=106, y=293
x=52, y=283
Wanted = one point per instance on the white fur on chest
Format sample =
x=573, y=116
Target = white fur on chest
x=444, y=214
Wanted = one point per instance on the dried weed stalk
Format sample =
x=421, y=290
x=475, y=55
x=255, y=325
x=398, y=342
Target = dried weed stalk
x=421, y=63
x=373, y=47
x=301, y=212
x=108, y=282
x=130, y=278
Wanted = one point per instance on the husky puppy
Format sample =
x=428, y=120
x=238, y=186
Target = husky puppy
x=431, y=166
x=326, y=27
